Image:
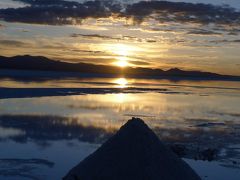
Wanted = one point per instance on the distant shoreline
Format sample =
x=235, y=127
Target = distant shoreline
x=39, y=66
x=52, y=75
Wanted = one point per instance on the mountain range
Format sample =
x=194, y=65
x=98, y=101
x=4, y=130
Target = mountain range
x=40, y=63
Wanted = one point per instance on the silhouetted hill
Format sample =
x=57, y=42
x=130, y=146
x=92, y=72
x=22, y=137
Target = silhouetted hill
x=39, y=63
x=44, y=64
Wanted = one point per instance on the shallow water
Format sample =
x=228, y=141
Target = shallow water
x=43, y=137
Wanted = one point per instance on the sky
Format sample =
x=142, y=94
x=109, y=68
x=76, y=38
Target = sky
x=186, y=34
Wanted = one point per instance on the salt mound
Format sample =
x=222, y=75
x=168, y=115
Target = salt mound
x=133, y=153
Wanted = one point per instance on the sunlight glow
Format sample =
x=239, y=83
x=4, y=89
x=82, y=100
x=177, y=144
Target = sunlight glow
x=122, y=51
x=121, y=63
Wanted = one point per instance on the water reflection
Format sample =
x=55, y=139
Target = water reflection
x=23, y=168
x=121, y=82
x=121, y=98
x=20, y=79
x=10, y=132
x=43, y=129
x=110, y=111
x=112, y=107
x=50, y=128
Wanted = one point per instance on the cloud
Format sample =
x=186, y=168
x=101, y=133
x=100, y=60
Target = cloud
x=183, y=12
x=105, y=37
x=87, y=51
x=231, y=30
x=139, y=63
x=149, y=40
x=203, y=32
x=14, y=43
x=96, y=36
x=234, y=32
x=60, y=12
x=225, y=41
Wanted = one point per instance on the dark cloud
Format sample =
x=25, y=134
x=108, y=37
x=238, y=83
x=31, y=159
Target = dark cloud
x=203, y=32
x=97, y=36
x=151, y=40
x=225, y=41
x=183, y=12
x=14, y=43
x=105, y=37
x=59, y=12
x=234, y=32
x=87, y=51
x=140, y=63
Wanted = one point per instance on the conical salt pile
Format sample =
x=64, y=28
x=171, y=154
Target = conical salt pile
x=133, y=153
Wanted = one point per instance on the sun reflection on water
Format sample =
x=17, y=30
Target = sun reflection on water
x=121, y=82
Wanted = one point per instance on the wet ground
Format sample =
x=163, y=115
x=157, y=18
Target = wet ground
x=44, y=132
